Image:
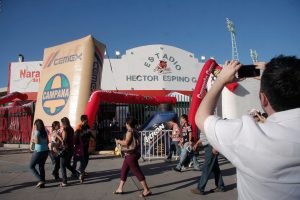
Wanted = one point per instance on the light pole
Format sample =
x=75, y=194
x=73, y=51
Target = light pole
x=253, y=55
x=118, y=53
x=231, y=29
x=21, y=58
x=202, y=58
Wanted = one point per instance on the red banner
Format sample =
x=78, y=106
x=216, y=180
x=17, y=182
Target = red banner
x=210, y=67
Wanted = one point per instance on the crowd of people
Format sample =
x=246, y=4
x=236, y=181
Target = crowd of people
x=63, y=145
x=187, y=150
x=263, y=147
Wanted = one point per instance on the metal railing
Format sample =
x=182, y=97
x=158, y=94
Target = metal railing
x=155, y=144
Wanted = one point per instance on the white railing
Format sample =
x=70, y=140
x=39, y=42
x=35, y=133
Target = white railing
x=155, y=144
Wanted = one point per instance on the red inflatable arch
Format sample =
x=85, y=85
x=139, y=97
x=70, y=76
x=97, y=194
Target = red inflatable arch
x=119, y=97
x=210, y=67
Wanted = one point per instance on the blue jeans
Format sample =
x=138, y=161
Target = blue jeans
x=38, y=158
x=174, y=146
x=65, y=163
x=210, y=165
x=183, y=156
x=82, y=163
x=55, y=164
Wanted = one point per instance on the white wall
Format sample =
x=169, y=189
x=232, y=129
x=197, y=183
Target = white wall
x=242, y=100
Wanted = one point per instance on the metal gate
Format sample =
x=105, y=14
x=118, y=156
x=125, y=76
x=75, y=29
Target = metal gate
x=111, y=119
x=155, y=144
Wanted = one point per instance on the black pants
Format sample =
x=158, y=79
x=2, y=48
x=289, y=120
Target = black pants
x=65, y=163
x=210, y=165
x=86, y=156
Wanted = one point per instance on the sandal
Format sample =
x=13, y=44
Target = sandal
x=40, y=184
x=81, y=178
x=146, y=195
x=115, y=192
x=62, y=185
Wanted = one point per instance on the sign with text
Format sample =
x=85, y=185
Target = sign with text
x=152, y=67
x=24, y=77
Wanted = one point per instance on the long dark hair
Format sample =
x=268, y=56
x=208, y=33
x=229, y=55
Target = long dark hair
x=131, y=122
x=40, y=127
x=65, y=122
x=67, y=127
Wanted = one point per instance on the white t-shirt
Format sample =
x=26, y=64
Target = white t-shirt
x=266, y=155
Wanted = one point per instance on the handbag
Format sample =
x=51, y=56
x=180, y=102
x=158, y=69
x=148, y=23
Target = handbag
x=132, y=146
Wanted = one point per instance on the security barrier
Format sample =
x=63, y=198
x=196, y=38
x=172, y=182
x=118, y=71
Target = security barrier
x=155, y=144
x=3, y=124
x=16, y=124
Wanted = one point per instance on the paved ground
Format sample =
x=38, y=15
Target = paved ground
x=17, y=182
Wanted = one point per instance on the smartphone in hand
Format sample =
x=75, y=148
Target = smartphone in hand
x=248, y=71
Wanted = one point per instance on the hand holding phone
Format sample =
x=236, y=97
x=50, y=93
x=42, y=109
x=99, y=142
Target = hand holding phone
x=247, y=71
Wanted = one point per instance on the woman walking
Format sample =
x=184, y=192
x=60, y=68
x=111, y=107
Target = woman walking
x=130, y=145
x=55, y=146
x=68, y=143
x=40, y=154
x=176, y=137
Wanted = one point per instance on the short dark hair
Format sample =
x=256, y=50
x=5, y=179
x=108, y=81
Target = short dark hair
x=280, y=82
x=185, y=117
x=83, y=117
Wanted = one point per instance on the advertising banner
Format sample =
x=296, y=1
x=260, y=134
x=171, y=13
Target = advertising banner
x=24, y=77
x=71, y=72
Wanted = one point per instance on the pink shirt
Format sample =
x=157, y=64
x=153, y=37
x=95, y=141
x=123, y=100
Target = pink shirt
x=175, y=133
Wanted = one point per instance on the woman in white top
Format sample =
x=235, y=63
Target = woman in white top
x=55, y=146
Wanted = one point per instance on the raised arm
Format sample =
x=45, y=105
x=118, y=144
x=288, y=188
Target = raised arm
x=208, y=105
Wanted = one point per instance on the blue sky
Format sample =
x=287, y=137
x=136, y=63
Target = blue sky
x=271, y=27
